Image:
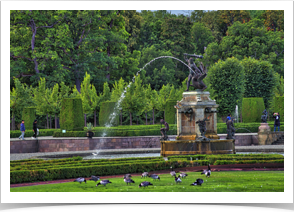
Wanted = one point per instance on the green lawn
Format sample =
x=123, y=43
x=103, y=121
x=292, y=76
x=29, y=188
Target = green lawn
x=226, y=181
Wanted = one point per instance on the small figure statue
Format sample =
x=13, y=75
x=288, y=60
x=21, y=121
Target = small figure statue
x=264, y=116
x=230, y=128
x=196, y=74
x=188, y=112
x=164, y=130
x=202, y=127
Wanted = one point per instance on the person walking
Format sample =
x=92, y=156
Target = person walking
x=35, y=129
x=277, y=121
x=22, y=129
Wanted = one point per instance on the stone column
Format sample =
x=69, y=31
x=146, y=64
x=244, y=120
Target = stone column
x=199, y=114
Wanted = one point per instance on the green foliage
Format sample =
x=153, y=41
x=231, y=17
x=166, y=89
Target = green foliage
x=30, y=133
x=170, y=111
x=252, y=109
x=279, y=107
x=71, y=114
x=201, y=36
x=259, y=80
x=105, y=115
x=227, y=81
x=29, y=115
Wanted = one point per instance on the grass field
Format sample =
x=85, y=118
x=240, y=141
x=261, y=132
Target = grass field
x=226, y=181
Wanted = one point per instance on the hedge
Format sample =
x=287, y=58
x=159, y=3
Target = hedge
x=71, y=114
x=279, y=107
x=252, y=109
x=30, y=133
x=170, y=111
x=29, y=116
x=106, y=110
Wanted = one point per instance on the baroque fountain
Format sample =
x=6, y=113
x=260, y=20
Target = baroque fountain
x=196, y=120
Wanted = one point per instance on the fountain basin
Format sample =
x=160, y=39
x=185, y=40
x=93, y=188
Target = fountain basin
x=192, y=147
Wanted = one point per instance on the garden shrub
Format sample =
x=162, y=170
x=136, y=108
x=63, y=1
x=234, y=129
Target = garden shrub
x=170, y=111
x=279, y=107
x=71, y=114
x=106, y=109
x=252, y=109
x=29, y=115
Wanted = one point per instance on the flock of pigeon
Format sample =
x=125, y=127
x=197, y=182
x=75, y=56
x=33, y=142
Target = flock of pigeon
x=128, y=180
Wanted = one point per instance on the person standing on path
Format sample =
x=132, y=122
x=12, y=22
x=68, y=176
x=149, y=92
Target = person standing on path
x=277, y=121
x=35, y=129
x=22, y=129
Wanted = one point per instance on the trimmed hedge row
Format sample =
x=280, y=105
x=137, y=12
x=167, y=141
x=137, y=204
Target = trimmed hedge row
x=223, y=162
x=29, y=115
x=29, y=133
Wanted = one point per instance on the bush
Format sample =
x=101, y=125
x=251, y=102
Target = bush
x=29, y=115
x=106, y=109
x=252, y=109
x=279, y=107
x=71, y=114
x=170, y=111
x=29, y=133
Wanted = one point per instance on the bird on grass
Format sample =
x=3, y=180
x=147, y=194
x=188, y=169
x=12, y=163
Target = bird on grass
x=172, y=173
x=145, y=174
x=207, y=171
x=103, y=182
x=129, y=180
x=144, y=184
x=197, y=182
x=80, y=180
x=183, y=175
x=178, y=179
x=127, y=176
x=155, y=177
x=94, y=178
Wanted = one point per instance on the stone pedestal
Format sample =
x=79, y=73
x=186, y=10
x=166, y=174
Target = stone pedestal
x=203, y=107
x=264, y=134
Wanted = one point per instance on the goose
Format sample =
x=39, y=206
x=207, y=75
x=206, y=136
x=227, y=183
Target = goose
x=80, y=180
x=145, y=174
x=144, y=184
x=178, y=179
x=207, y=172
x=129, y=180
x=103, y=182
x=172, y=173
x=183, y=175
x=94, y=153
x=127, y=176
x=197, y=182
x=94, y=178
x=155, y=177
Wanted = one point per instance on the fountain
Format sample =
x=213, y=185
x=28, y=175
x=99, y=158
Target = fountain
x=197, y=122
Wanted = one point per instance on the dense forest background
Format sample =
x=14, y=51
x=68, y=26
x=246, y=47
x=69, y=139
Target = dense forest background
x=95, y=54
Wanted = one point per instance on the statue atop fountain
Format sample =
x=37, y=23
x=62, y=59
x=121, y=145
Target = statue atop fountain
x=197, y=74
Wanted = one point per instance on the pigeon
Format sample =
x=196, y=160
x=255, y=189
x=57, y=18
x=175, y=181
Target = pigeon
x=103, y=182
x=172, y=173
x=145, y=174
x=129, y=180
x=94, y=178
x=207, y=172
x=183, y=175
x=197, y=182
x=80, y=180
x=155, y=177
x=178, y=179
x=144, y=184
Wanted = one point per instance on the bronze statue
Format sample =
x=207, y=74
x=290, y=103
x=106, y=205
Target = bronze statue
x=202, y=126
x=196, y=74
x=264, y=116
x=164, y=130
x=230, y=128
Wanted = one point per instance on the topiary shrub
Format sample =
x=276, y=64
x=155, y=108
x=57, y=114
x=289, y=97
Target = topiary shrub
x=252, y=109
x=279, y=107
x=170, y=111
x=29, y=115
x=106, y=110
x=71, y=114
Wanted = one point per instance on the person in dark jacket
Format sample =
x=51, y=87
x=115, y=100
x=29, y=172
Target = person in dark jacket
x=276, y=116
x=22, y=129
x=35, y=129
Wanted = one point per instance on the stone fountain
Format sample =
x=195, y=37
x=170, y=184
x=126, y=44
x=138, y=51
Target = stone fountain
x=195, y=108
